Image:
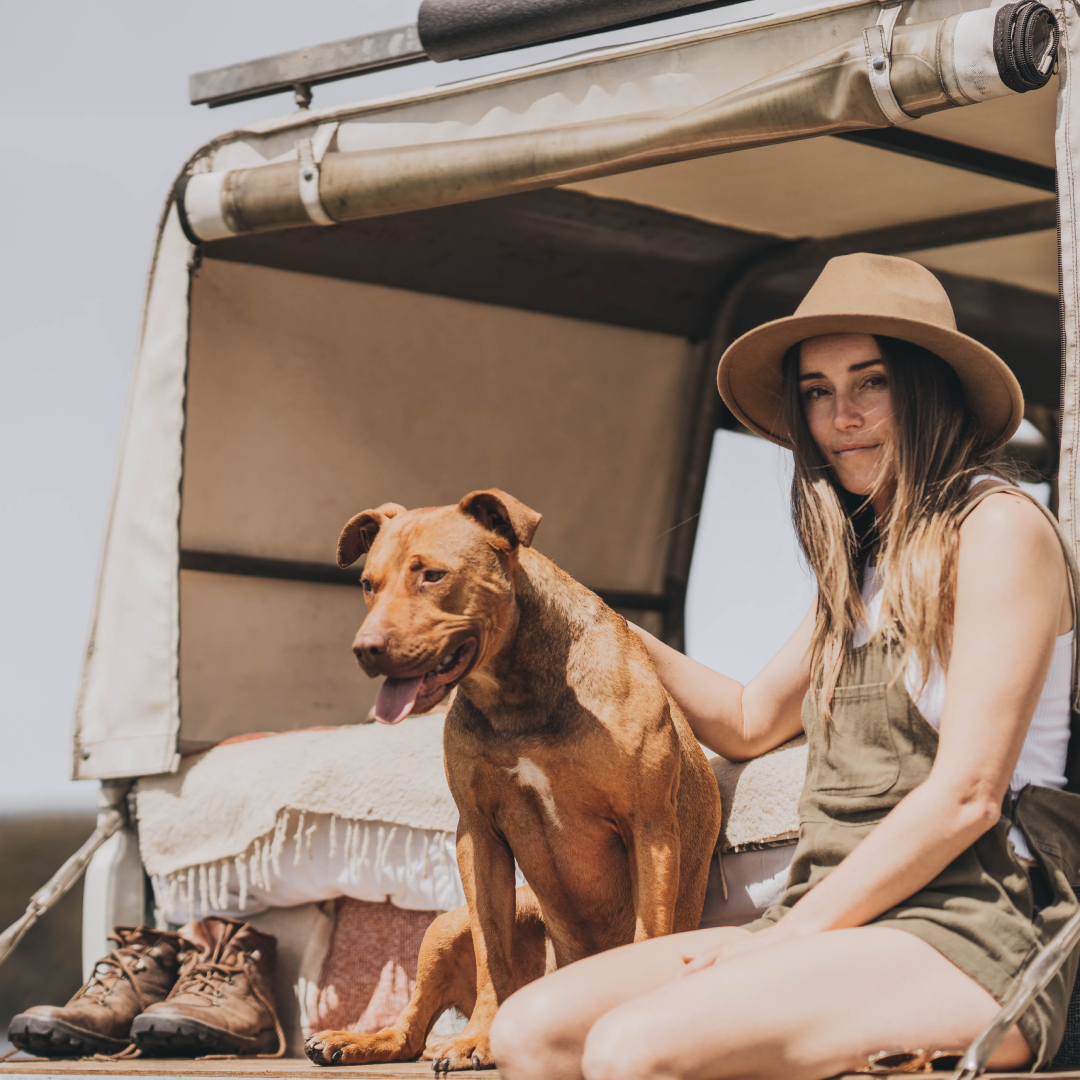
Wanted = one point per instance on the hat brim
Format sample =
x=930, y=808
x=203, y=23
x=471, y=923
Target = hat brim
x=750, y=377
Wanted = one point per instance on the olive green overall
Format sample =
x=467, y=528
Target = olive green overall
x=987, y=912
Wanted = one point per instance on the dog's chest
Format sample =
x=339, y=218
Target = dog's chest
x=561, y=830
x=553, y=810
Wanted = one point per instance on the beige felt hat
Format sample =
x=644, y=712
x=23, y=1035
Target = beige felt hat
x=868, y=294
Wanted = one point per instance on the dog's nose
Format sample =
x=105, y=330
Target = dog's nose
x=369, y=645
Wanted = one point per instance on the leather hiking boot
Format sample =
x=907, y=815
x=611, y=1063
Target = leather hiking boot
x=223, y=998
x=138, y=973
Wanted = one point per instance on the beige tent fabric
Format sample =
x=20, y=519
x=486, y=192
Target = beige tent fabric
x=128, y=710
x=752, y=189
x=263, y=655
x=311, y=398
x=760, y=797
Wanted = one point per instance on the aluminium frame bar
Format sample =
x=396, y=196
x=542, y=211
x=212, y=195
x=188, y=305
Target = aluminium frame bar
x=957, y=156
x=301, y=69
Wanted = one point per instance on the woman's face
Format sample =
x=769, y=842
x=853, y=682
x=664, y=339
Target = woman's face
x=844, y=389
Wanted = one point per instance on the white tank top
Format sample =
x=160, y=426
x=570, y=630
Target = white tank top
x=1042, y=757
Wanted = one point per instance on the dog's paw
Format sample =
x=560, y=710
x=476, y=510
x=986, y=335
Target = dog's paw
x=463, y=1051
x=347, y=1048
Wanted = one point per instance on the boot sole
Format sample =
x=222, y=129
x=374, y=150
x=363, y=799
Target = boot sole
x=53, y=1038
x=170, y=1037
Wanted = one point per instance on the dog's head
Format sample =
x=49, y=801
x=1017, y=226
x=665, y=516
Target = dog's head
x=439, y=586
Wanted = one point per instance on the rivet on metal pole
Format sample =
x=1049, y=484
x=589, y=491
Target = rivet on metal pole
x=303, y=95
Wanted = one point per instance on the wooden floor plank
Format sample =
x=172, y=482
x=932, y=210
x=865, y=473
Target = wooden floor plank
x=282, y=1068
x=242, y=1067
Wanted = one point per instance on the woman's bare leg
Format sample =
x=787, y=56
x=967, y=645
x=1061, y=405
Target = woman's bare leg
x=542, y=1028
x=808, y=1008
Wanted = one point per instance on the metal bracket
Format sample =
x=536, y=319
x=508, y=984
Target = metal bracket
x=112, y=817
x=311, y=152
x=878, y=42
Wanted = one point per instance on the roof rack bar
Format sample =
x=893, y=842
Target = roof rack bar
x=303, y=68
x=958, y=156
x=446, y=30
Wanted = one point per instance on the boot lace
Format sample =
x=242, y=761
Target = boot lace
x=204, y=980
x=121, y=963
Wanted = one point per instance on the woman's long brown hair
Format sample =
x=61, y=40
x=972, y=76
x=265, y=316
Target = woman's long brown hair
x=937, y=454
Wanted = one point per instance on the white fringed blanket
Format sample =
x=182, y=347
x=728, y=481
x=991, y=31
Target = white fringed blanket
x=223, y=824
x=363, y=812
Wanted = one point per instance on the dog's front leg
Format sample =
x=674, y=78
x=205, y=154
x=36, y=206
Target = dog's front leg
x=487, y=874
x=654, y=871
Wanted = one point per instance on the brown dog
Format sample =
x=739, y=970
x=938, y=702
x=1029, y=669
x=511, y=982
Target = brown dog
x=563, y=750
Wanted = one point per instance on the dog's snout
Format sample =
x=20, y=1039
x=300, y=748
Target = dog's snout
x=369, y=645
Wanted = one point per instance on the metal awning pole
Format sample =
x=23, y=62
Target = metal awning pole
x=1067, y=152
x=1049, y=961
x=110, y=820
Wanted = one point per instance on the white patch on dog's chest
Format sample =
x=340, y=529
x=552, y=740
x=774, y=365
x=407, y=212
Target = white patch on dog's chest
x=529, y=774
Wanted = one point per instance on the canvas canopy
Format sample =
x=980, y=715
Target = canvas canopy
x=522, y=281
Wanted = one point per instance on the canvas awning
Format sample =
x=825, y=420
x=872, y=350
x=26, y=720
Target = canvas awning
x=463, y=329
x=842, y=68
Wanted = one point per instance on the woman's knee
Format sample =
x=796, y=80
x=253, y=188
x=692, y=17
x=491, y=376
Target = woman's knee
x=622, y=1045
x=531, y=1036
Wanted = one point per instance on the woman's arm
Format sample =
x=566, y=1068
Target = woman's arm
x=1011, y=588
x=732, y=720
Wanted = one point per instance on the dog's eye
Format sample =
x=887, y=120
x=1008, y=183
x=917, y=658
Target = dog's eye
x=366, y=585
x=431, y=576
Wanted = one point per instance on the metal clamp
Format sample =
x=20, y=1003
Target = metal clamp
x=878, y=42
x=311, y=152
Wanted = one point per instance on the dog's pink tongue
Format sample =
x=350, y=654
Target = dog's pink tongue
x=396, y=699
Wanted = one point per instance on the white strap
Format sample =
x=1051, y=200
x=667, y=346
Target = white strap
x=878, y=41
x=311, y=152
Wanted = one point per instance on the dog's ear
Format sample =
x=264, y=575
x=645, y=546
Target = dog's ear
x=502, y=514
x=360, y=532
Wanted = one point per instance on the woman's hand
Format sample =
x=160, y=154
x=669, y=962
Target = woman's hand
x=735, y=721
x=755, y=942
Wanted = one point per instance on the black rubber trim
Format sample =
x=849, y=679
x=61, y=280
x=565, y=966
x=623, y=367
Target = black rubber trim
x=52, y=1037
x=179, y=191
x=958, y=156
x=220, y=562
x=462, y=29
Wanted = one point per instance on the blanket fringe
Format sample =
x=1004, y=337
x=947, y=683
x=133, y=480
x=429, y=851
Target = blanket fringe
x=298, y=838
x=226, y=884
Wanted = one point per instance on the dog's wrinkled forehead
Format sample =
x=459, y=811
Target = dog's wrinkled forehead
x=440, y=534
x=490, y=518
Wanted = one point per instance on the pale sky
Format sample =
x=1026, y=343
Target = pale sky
x=95, y=126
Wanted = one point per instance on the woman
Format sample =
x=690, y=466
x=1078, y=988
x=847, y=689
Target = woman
x=913, y=899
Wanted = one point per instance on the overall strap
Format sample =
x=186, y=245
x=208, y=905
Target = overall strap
x=980, y=492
